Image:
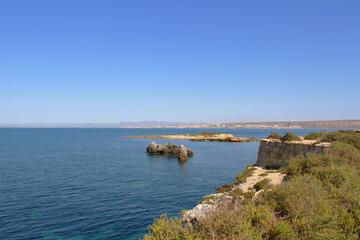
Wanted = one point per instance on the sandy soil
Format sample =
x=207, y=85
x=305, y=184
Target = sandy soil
x=274, y=178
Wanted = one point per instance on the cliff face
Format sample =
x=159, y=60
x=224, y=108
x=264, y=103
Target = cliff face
x=274, y=152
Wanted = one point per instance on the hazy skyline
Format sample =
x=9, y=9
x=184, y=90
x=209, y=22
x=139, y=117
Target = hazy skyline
x=192, y=61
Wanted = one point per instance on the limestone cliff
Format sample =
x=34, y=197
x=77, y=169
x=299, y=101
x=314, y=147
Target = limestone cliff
x=273, y=152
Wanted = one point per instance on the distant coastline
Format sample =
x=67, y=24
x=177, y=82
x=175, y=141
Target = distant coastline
x=334, y=124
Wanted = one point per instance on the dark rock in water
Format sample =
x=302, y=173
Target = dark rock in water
x=152, y=148
x=190, y=152
x=161, y=148
x=170, y=149
x=183, y=155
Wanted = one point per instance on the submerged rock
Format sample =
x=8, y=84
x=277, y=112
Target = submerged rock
x=170, y=149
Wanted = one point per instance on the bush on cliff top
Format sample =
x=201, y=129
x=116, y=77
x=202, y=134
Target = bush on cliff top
x=241, y=178
x=263, y=184
x=312, y=136
x=320, y=200
x=274, y=136
x=350, y=137
x=290, y=136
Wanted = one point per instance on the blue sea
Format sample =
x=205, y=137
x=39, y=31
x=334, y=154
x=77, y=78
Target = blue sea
x=93, y=184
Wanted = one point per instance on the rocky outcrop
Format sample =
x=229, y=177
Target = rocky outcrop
x=274, y=152
x=152, y=148
x=171, y=150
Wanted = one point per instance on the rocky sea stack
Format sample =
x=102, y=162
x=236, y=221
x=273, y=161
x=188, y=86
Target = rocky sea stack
x=170, y=149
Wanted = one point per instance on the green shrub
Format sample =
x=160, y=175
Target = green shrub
x=224, y=188
x=349, y=137
x=205, y=134
x=303, y=164
x=274, y=136
x=241, y=178
x=237, y=192
x=304, y=202
x=330, y=176
x=164, y=228
x=263, y=184
x=313, y=136
x=207, y=199
x=282, y=230
x=290, y=136
x=249, y=194
x=272, y=167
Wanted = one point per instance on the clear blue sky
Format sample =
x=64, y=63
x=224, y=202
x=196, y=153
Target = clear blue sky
x=72, y=61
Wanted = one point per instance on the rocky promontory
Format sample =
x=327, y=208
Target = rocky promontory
x=203, y=137
x=170, y=150
x=247, y=186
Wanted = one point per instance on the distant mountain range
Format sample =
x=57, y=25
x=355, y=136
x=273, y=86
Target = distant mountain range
x=336, y=124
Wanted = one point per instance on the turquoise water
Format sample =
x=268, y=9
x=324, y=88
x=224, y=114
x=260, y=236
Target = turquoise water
x=92, y=184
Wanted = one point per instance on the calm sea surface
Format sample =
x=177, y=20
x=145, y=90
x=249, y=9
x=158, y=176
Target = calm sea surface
x=92, y=184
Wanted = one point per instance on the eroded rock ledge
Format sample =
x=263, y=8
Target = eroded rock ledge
x=170, y=149
x=254, y=180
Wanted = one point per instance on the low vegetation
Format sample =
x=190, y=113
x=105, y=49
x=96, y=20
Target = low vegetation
x=351, y=137
x=205, y=134
x=207, y=199
x=275, y=136
x=263, y=184
x=313, y=136
x=290, y=136
x=253, y=139
x=241, y=178
x=319, y=200
x=224, y=188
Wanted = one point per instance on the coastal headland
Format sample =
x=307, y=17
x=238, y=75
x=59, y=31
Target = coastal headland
x=205, y=136
x=300, y=180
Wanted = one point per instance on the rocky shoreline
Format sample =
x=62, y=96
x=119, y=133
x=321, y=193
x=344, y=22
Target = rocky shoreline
x=247, y=189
